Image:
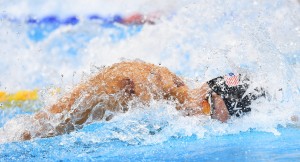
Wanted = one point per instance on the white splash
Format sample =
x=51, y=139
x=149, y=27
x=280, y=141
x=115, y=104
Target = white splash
x=202, y=40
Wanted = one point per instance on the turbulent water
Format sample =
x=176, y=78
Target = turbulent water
x=197, y=40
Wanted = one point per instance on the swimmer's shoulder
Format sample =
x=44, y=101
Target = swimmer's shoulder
x=131, y=69
x=134, y=66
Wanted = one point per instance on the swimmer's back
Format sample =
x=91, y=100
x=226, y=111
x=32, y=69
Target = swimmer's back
x=143, y=79
x=123, y=81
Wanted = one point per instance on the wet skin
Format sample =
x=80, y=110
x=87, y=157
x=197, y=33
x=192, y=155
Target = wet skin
x=113, y=88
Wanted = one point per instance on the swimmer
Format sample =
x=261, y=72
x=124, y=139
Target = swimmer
x=116, y=86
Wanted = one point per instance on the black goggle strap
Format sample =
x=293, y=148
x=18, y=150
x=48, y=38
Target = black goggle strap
x=211, y=102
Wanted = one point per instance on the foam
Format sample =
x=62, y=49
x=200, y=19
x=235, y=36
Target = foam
x=202, y=40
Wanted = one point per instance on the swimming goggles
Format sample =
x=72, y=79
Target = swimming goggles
x=208, y=107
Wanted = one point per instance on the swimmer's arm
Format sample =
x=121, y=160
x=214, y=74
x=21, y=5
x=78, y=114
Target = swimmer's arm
x=172, y=86
x=220, y=111
x=65, y=103
x=63, y=107
x=86, y=89
x=45, y=116
x=189, y=100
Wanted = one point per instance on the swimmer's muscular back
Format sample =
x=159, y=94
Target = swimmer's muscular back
x=142, y=80
x=111, y=89
x=120, y=83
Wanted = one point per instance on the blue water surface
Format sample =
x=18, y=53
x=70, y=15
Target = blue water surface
x=251, y=145
x=246, y=146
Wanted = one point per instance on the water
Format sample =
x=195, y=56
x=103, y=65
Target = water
x=197, y=40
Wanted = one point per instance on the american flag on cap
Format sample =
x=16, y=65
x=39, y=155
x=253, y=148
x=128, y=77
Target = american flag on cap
x=232, y=80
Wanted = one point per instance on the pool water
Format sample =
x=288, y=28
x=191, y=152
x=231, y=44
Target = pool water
x=247, y=146
x=63, y=44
